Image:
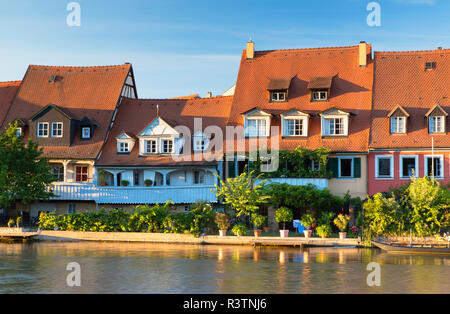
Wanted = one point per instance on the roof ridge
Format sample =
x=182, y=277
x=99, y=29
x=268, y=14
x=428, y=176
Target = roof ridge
x=310, y=49
x=179, y=99
x=79, y=67
x=10, y=82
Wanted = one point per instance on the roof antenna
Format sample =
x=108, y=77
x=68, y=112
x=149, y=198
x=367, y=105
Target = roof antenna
x=157, y=110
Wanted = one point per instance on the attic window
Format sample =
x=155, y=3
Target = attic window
x=52, y=79
x=86, y=132
x=278, y=96
x=319, y=95
x=430, y=65
x=320, y=88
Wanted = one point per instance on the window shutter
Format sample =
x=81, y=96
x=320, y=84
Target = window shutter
x=357, y=167
x=333, y=166
x=231, y=169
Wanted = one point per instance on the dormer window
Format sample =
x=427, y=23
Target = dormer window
x=295, y=123
x=436, y=119
x=256, y=123
x=319, y=95
x=200, y=142
x=123, y=147
x=167, y=146
x=278, y=96
x=320, y=88
x=398, y=125
x=335, y=122
x=57, y=129
x=86, y=132
x=150, y=147
x=429, y=65
x=42, y=129
x=125, y=142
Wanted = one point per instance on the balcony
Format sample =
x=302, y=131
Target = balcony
x=134, y=195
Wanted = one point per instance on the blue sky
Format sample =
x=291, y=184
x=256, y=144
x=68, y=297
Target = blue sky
x=183, y=47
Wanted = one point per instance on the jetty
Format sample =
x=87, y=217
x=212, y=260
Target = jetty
x=17, y=234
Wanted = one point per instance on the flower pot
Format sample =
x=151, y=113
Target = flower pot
x=307, y=233
x=284, y=233
x=257, y=233
x=266, y=229
x=342, y=235
x=222, y=233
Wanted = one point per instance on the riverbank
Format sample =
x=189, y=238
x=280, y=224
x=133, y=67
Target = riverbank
x=68, y=236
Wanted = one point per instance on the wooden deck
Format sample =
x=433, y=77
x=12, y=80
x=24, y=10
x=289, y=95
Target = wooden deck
x=303, y=242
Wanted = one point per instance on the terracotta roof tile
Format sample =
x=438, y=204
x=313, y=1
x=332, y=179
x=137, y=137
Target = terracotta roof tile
x=8, y=91
x=83, y=91
x=402, y=80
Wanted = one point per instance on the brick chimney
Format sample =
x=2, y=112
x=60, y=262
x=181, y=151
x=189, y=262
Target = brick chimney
x=208, y=95
x=362, y=54
x=250, y=50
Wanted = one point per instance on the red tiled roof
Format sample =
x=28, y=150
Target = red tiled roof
x=351, y=91
x=7, y=92
x=83, y=91
x=402, y=80
x=135, y=114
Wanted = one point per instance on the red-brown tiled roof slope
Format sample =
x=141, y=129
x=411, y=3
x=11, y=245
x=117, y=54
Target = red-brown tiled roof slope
x=401, y=80
x=135, y=114
x=351, y=91
x=83, y=91
x=7, y=92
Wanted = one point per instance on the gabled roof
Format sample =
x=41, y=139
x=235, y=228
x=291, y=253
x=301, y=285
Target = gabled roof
x=294, y=112
x=87, y=121
x=401, y=78
x=351, y=89
x=158, y=127
x=436, y=110
x=134, y=115
x=126, y=135
x=400, y=109
x=8, y=91
x=337, y=111
x=93, y=92
x=256, y=110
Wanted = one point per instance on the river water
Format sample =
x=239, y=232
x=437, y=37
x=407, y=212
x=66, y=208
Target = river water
x=168, y=268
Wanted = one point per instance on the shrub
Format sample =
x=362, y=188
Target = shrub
x=341, y=221
x=19, y=220
x=324, y=231
x=283, y=214
x=307, y=221
x=11, y=222
x=239, y=229
x=326, y=218
x=125, y=183
x=203, y=219
x=148, y=182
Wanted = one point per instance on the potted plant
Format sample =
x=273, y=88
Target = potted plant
x=222, y=223
x=148, y=182
x=258, y=221
x=239, y=229
x=324, y=231
x=19, y=222
x=11, y=223
x=124, y=183
x=307, y=221
x=341, y=221
x=283, y=214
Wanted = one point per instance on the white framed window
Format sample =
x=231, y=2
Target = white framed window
x=86, y=132
x=167, y=146
x=199, y=177
x=434, y=166
x=123, y=147
x=398, y=125
x=436, y=124
x=18, y=132
x=150, y=147
x=384, y=166
x=256, y=127
x=294, y=127
x=278, y=96
x=346, y=167
x=58, y=172
x=409, y=166
x=57, y=129
x=319, y=95
x=315, y=165
x=335, y=126
x=42, y=129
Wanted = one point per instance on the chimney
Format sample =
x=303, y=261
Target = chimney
x=362, y=54
x=250, y=49
x=208, y=95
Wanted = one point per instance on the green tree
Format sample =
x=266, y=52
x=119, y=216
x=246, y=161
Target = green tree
x=24, y=174
x=242, y=194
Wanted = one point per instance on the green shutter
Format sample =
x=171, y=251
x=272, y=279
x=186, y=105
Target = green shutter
x=251, y=165
x=231, y=169
x=333, y=166
x=357, y=167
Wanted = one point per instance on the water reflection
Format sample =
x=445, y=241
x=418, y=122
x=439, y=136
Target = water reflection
x=165, y=268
